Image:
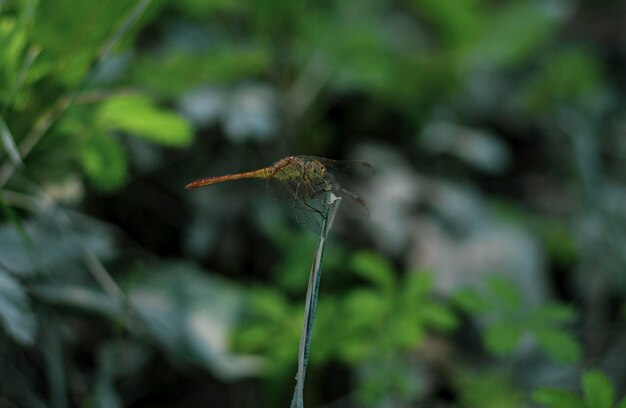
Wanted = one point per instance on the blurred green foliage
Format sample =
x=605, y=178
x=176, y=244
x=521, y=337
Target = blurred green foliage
x=370, y=325
x=484, y=389
x=108, y=109
x=598, y=392
x=509, y=320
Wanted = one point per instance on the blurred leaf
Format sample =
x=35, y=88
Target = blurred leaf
x=559, y=241
x=470, y=301
x=203, y=9
x=104, y=394
x=417, y=286
x=502, y=337
x=104, y=162
x=553, y=313
x=571, y=77
x=55, y=244
x=375, y=269
x=352, y=350
x=505, y=292
x=479, y=390
x=18, y=226
x=8, y=142
x=512, y=32
x=362, y=56
x=458, y=21
x=84, y=25
x=598, y=390
x=80, y=298
x=438, y=316
x=291, y=270
x=177, y=71
x=622, y=403
x=15, y=311
x=191, y=316
x=56, y=367
x=400, y=331
x=388, y=377
x=269, y=304
x=556, y=398
x=13, y=37
x=559, y=344
x=139, y=116
x=365, y=307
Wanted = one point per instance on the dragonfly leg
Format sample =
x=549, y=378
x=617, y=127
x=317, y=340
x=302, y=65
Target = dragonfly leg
x=326, y=188
x=295, y=200
x=295, y=196
x=311, y=195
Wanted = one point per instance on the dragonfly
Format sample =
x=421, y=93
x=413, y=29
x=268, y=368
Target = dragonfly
x=301, y=184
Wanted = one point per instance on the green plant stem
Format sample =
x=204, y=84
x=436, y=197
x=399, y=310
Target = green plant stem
x=330, y=210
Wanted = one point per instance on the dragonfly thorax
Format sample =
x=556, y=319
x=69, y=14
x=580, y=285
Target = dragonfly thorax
x=295, y=169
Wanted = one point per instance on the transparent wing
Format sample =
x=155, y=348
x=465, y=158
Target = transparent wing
x=352, y=206
x=345, y=172
x=303, y=201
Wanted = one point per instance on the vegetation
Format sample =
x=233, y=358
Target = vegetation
x=490, y=273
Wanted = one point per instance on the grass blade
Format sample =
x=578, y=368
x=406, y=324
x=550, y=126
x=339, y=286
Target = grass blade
x=8, y=142
x=330, y=210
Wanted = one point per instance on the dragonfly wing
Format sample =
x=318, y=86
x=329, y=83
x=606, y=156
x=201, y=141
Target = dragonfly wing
x=352, y=206
x=300, y=199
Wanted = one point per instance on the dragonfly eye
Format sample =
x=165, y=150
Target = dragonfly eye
x=317, y=169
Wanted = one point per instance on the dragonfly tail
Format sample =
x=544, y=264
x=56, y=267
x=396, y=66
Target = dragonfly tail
x=261, y=173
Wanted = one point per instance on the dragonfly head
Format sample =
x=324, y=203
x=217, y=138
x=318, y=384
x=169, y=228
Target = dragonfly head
x=315, y=170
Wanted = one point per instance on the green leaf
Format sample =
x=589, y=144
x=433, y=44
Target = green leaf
x=553, y=313
x=438, y=316
x=353, y=350
x=87, y=26
x=140, y=117
x=599, y=392
x=470, y=301
x=559, y=344
x=556, y=398
x=417, y=286
x=502, y=337
x=104, y=162
x=622, y=403
x=403, y=330
x=15, y=312
x=505, y=292
x=514, y=30
x=572, y=77
x=374, y=268
x=457, y=21
x=178, y=71
x=269, y=304
x=488, y=390
x=364, y=308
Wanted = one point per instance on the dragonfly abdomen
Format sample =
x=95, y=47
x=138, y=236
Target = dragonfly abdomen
x=261, y=173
